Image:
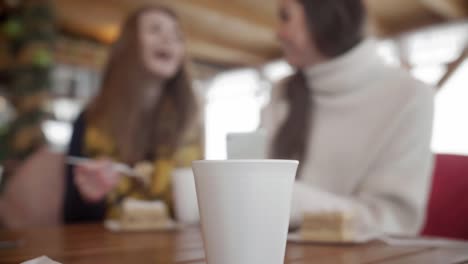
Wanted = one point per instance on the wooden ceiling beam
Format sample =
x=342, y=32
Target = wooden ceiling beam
x=451, y=9
x=89, y=18
x=262, y=7
x=198, y=49
x=102, y=22
x=233, y=31
x=232, y=11
x=393, y=17
x=209, y=52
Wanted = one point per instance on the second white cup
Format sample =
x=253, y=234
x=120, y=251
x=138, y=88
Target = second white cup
x=185, y=197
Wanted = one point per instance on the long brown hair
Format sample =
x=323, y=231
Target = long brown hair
x=118, y=108
x=336, y=27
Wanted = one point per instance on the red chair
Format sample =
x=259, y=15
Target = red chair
x=447, y=213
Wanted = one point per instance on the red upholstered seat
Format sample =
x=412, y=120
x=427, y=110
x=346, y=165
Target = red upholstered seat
x=447, y=214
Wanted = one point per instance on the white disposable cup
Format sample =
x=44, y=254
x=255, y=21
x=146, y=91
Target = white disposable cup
x=185, y=197
x=244, y=208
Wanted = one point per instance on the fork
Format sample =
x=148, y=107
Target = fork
x=116, y=166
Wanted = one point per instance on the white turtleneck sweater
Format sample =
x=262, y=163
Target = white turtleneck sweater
x=369, y=147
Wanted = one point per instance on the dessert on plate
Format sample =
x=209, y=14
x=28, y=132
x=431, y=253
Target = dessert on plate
x=332, y=226
x=138, y=215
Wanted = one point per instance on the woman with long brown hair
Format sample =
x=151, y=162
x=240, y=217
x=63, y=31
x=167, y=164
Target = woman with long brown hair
x=360, y=129
x=145, y=112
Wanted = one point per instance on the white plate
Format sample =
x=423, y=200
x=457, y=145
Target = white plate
x=296, y=238
x=424, y=242
x=115, y=226
x=389, y=240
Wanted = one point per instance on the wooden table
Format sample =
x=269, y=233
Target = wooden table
x=93, y=244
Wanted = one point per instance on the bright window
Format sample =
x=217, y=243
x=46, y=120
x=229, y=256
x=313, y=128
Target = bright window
x=451, y=112
x=233, y=105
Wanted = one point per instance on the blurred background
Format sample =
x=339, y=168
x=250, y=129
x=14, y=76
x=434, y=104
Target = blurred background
x=52, y=53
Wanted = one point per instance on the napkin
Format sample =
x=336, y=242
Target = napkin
x=41, y=260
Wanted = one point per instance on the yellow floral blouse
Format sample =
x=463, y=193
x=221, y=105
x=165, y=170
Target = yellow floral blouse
x=100, y=144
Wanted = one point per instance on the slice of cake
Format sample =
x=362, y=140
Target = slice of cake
x=336, y=226
x=144, y=215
